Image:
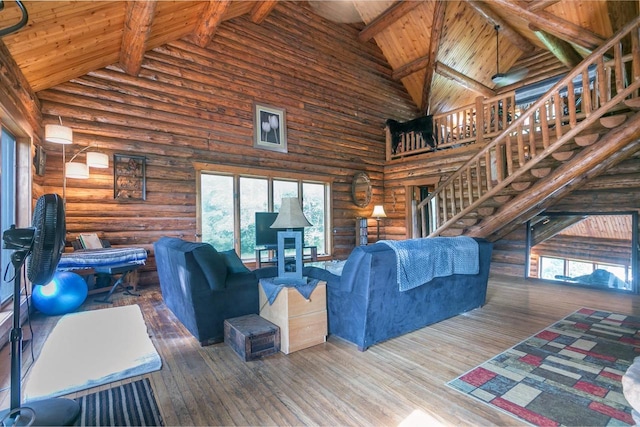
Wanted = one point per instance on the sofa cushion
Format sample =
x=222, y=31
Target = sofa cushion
x=233, y=262
x=212, y=264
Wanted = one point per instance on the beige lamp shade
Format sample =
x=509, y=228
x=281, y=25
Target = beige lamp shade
x=97, y=160
x=76, y=170
x=58, y=134
x=290, y=215
x=378, y=212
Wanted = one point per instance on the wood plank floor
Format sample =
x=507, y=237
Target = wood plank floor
x=403, y=379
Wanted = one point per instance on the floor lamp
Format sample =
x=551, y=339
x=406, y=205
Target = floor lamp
x=290, y=217
x=378, y=214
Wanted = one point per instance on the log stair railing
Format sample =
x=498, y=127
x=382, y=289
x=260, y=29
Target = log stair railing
x=549, y=149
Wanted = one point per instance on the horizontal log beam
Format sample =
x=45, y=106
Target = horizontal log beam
x=387, y=18
x=137, y=27
x=561, y=28
x=507, y=30
x=261, y=10
x=463, y=80
x=561, y=49
x=211, y=17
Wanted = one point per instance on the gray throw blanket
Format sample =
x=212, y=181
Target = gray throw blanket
x=420, y=260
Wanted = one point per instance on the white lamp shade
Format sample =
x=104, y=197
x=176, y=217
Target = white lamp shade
x=378, y=212
x=290, y=215
x=97, y=160
x=58, y=134
x=76, y=170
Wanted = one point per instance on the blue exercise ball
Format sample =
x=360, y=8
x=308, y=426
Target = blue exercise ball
x=63, y=294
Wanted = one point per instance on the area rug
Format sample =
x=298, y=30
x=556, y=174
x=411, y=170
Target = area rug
x=92, y=348
x=131, y=404
x=568, y=374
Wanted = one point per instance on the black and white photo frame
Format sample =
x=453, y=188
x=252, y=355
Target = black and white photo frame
x=270, y=128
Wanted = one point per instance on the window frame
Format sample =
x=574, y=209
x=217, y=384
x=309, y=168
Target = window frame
x=270, y=175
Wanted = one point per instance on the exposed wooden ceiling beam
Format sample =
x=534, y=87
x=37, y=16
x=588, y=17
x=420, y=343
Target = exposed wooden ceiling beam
x=561, y=49
x=536, y=5
x=387, y=18
x=507, y=31
x=434, y=43
x=261, y=10
x=137, y=25
x=410, y=68
x=210, y=19
x=463, y=80
x=561, y=28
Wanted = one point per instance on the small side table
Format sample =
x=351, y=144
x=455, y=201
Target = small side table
x=302, y=322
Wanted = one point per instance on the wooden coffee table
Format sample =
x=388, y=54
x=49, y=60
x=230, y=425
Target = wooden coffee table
x=302, y=322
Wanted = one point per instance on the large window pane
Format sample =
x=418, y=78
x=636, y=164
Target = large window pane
x=254, y=197
x=314, y=210
x=217, y=211
x=7, y=204
x=283, y=189
x=551, y=267
x=579, y=268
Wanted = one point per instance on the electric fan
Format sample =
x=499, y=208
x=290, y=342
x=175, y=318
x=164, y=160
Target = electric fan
x=43, y=244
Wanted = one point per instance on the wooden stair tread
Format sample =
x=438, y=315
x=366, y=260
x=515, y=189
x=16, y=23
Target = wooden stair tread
x=586, y=140
x=521, y=186
x=633, y=103
x=540, y=172
x=562, y=156
x=502, y=198
x=611, y=122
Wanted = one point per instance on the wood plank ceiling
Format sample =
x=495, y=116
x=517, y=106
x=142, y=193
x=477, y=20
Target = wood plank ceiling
x=444, y=52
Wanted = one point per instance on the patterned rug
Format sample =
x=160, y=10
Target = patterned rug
x=131, y=404
x=568, y=374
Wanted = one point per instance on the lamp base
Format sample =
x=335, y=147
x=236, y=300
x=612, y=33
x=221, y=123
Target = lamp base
x=47, y=412
x=290, y=280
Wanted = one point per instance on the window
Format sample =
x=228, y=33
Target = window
x=7, y=204
x=230, y=199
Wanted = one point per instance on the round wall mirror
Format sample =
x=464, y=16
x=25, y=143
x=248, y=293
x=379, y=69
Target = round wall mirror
x=361, y=189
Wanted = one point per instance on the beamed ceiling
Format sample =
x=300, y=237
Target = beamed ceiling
x=444, y=52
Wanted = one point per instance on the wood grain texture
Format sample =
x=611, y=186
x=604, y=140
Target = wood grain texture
x=195, y=104
x=335, y=384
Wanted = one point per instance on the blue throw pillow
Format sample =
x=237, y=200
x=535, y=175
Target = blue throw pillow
x=233, y=262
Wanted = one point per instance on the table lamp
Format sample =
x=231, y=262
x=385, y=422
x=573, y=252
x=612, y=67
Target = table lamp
x=378, y=214
x=290, y=217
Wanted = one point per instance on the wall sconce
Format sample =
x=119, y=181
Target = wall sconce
x=378, y=214
x=290, y=216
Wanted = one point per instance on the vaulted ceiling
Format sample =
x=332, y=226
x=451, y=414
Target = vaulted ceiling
x=444, y=52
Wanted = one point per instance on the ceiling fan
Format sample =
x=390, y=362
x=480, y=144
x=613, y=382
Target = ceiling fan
x=503, y=79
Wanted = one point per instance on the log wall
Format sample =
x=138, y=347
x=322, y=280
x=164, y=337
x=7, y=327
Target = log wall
x=191, y=104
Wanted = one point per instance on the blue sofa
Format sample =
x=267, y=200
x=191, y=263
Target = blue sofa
x=365, y=305
x=203, y=286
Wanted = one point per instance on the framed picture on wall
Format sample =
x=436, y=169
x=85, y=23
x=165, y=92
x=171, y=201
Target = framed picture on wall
x=270, y=128
x=129, y=177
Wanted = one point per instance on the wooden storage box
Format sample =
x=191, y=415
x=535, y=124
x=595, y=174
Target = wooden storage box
x=302, y=322
x=251, y=336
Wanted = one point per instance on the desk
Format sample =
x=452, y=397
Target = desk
x=272, y=255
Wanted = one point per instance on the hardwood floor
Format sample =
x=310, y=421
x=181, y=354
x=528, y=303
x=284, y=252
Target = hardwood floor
x=403, y=379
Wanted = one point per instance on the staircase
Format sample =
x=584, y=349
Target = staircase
x=574, y=132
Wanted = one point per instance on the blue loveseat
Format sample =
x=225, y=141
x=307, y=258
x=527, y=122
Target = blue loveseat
x=202, y=286
x=365, y=305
